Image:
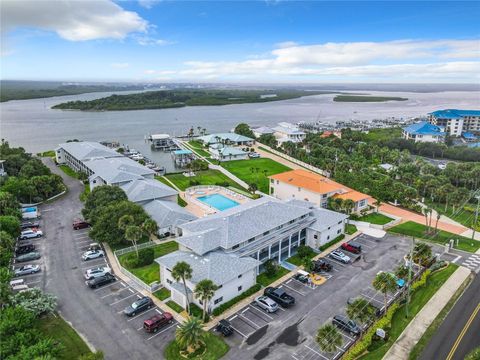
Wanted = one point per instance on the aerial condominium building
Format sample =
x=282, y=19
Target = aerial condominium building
x=455, y=122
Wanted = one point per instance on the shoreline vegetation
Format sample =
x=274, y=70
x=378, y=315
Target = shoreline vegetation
x=363, y=98
x=165, y=99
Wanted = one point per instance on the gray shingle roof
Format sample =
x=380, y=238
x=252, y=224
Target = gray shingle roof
x=118, y=169
x=147, y=189
x=211, y=139
x=85, y=150
x=216, y=266
x=238, y=224
x=167, y=213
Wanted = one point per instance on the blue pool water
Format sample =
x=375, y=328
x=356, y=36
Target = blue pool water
x=218, y=201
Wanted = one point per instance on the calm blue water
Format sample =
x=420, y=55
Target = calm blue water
x=218, y=201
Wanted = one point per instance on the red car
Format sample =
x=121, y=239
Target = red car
x=158, y=321
x=352, y=247
x=80, y=224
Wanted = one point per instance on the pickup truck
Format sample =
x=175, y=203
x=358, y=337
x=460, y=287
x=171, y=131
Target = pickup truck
x=279, y=296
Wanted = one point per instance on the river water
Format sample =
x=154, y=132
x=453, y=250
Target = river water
x=35, y=126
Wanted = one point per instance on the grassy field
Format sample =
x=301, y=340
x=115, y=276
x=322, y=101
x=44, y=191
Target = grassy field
x=363, y=98
x=67, y=170
x=206, y=177
x=265, y=280
x=174, y=306
x=419, y=298
x=464, y=217
x=376, y=218
x=198, y=147
x=411, y=228
x=59, y=330
x=216, y=349
x=150, y=273
x=350, y=229
x=255, y=171
x=85, y=192
x=162, y=294
x=297, y=260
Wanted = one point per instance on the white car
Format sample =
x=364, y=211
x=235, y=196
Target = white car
x=266, y=304
x=26, y=270
x=92, y=254
x=339, y=256
x=30, y=234
x=96, y=272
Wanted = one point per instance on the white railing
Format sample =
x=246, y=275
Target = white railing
x=132, y=248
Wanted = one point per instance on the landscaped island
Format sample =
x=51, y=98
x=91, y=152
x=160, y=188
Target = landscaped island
x=180, y=98
x=363, y=98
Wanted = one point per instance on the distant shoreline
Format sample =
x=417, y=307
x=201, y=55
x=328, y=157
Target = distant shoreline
x=363, y=98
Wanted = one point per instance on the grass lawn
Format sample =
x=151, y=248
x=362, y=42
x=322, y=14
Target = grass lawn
x=297, y=260
x=265, y=280
x=255, y=171
x=376, y=218
x=69, y=171
x=151, y=273
x=199, y=148
x=216, y=349
x=419, y=298
x=61, y=331
x=432, y=329
x=411, y=228
x=205, y=177
x=181, y=202
x=350, y=229
x=174, y=306
x=162, y=294
x=49, y=153
x=84, y=194
x=464, y=217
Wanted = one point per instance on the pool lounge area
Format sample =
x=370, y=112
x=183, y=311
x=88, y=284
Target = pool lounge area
x=218, y=201
x=213, y=198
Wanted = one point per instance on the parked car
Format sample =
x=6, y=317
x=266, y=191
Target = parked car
x=34, y=255
x=321, y=266
x=339, y=256
x=26, y=270
x=92, y=254
x=30, y=224
x=253, y=155
x=352, y=247
x=346, y=324
x=96, y=272
x=301, y=277
x=279, y=296
x=224, y=327
x=94, y=246
x=100, y=281
x=30, y=234
x=158, y=321
x=138, y=306
x=266, y=304
x=80, y=224
x=24, y=248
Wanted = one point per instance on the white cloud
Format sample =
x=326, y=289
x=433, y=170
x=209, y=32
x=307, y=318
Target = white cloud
x=286, y=44
x=148, y=4
x=72, y=20
x=120, y=65
x=148, y=41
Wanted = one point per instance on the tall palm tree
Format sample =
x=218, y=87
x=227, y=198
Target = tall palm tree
x=402, y=272
x=422, y=253
x=439, y=215
x=328, y=338
x=190, y=334
x=125, y=220
x=385, y=283
x=349, y=205
x=150, y=227
x=360, y=310
x=183, y=271
x=133, y=233
x=204, y=291
x=377, y=204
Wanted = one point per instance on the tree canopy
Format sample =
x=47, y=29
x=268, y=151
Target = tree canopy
x=244, y=129
x=99, y=197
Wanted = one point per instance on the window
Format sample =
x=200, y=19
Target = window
x=250, y=240
x=239, y=288
x=266, y=233
x=299, y=189
x=324, y=196
x=220, y=299
x=272, y=181
x=328, y=237
x=315, y=236
x=169, y=281
x=329, y=228
x=235, y=246
x=219, y=287
x=239, y=276
x=339, y=222
x=338, y=231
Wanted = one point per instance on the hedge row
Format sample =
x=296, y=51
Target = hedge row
x=334, y=241
x=217, y=311
x=145, y=257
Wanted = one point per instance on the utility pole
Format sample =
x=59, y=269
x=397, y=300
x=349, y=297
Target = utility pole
x=476, y=217
x=410, y=264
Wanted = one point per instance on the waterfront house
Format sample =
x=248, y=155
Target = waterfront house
x=226, y=139
x=424, y=132
x=285, y=131
x=222, y=152
x=262, y=130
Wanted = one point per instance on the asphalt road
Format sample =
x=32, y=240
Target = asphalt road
x=460, y=332
x=62, y=276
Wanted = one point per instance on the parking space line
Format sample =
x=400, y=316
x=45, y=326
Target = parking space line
x=337, y=262
x=32, y=282
x=348, y=337
x=261, y=312
x=105, y=287
x=123, y=284
x=151, y=337
x=91, y=266
x=111, y=294
x=131, y=290
x=120, y=300
x=298, y=292
x=142, y=313
x=250, y=321
x=280, y=308
x=82, y=238
x=158, y=311
x=316, y=352
x=234, y=328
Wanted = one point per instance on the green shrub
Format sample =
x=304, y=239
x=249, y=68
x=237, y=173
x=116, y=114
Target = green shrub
x=198, y=312
x=222, y=183
x=334, y=241
x=438, y=265
x=422, y=281
x=217, y=311
x=145, y=257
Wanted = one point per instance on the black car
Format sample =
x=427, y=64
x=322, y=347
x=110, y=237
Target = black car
x=30, y=224
x=138, y=306
x=24, y=248
x=346, y=324
x=279, y=296
x=100, y=281
x=224, y=327
x=301, y=277
x=321, y=266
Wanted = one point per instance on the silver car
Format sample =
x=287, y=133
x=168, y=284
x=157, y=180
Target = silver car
x=266, y=304
x=92, y=254
x=26, y=270
x=96, y=272
x=339, y=256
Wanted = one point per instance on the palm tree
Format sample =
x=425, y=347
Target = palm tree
x=422, y=253
x=252, y=188
x=377, y=203
x=150, y=227
x=204, y=291
x=328, y=338
x=360, y=310
x=133, y=233
x=189, y=335
x=426, y=211
x=183, y=271
x=401, y=272
x=348, y=205
x=385, y=283
x=125, y=220
x=439, y=215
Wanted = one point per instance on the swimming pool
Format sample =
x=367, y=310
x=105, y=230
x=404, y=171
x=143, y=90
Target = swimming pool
x=218, y=201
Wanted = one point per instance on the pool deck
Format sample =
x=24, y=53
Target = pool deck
x=202, y=209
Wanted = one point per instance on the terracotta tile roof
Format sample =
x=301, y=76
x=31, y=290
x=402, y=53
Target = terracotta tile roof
x=318, y=183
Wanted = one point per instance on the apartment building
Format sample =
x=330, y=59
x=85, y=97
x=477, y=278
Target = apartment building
x=455, y=122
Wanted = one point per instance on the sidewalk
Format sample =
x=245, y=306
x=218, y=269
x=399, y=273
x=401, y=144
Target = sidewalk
x=417, y=327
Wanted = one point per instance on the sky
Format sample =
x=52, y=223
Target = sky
x=249, y=41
